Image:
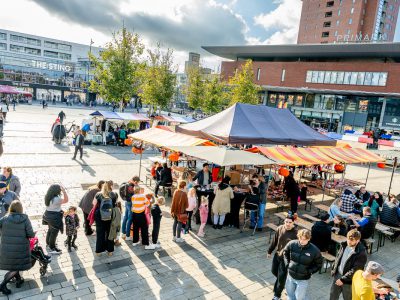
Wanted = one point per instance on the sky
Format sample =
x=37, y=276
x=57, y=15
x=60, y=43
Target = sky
x=183, y=25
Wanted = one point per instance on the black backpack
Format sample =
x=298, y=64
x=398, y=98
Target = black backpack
x=126, y=190
x=106, y=207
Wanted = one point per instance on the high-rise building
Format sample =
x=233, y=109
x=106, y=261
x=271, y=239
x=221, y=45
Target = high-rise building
x=194, y=61
x=341, y=21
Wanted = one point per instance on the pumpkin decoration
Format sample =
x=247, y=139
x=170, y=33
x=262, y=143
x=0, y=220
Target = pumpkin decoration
x=174, y=157
x=339, y=168
x=136, y=150
x=128, y=142
x=381, y=165
x=284, y=172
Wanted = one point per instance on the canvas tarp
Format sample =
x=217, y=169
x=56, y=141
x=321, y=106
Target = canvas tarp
x=353, y=155
x=225, y=157
x=119, y=116
x=167, y=139
x=256, y=124
x=295, y=156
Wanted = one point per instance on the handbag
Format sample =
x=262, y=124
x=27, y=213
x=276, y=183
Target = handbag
x=182, y=217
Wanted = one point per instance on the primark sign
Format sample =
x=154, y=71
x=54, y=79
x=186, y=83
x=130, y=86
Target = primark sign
x=51, y=66
x=360, y=38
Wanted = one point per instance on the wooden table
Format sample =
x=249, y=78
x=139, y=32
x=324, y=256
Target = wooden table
x=322, y=207
x=308, y=225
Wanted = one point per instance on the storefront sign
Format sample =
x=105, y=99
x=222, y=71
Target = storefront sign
x=77, y=90
x=51, y=66
x=391, y=121
x=22, y=84
x=360, y=38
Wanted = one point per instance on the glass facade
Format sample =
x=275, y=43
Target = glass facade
x=348, y=78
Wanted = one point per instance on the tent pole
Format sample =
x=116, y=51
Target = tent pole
x=269, y=178
x=366, y=180
x=140, y=161
x=393, y=170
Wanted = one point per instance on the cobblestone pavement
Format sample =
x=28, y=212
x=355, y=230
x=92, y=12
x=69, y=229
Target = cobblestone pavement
x=225, y=264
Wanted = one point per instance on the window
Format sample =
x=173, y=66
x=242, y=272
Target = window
x=350, y=21
x=330, y=3
x=309, y=76
x=320, y=77
x=336, y=33
x=327, y=78
x=368, y=78
x=50, y=54
x=3, y=36
x=375, y=79
x=347, y=76
x=34, y=42
x=3, y=46
x=337, y=22
x=50, y=44
x=65, y=56
x=340, y=78
x=325, y=34
x=299, y=101
x=283, y=75
x=327, y=24
x=258, y=71
x=338, y=12
x=314, y=77
x=352, y=11
x=360, y=78
x=64, y=47
x=25, y=40
x=16, y=48
x=333, y=77
x=382, y=79
x=353, y=78
x=328, y=14
x=32, y=51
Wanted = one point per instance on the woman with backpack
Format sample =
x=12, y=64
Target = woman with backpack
x=86, y=205
x=104, y=202
x=53, y=216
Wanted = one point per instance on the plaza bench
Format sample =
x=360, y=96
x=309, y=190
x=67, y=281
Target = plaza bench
x=273, y=228
x=328, y=259
x=311, y=218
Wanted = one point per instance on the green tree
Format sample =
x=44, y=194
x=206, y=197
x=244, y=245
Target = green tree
x=117, y=70
x=195, y=88
x=214, y=96
x=241, y=86
x=159, y=78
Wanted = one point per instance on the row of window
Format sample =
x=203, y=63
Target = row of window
x=34, y=51
x=23, y=49
x=36, y=42
x=351, y=78
x=60, y=55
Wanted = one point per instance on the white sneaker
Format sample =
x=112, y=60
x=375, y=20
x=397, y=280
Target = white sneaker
x=276, y=298
x=135, y=244
x=174, y=239
x=150, y=247
x=128, y=238
x=158, y=245
x=179, y=240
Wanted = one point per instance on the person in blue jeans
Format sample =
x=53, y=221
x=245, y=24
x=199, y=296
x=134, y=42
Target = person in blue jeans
x=127, y=220
x=259, y=182
x=303, y=259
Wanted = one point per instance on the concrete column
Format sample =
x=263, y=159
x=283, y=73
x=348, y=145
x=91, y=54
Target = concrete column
x=382, y=112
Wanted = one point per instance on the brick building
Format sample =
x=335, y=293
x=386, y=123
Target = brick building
x=328, y=21
x=333, y=86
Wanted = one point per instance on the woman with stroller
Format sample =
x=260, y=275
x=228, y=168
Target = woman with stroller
x=15, y=256
x=53, y=216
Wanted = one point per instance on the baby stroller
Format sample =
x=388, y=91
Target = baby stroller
x=37, y=254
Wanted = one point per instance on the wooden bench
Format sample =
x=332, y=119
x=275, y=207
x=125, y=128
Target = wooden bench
x=369, y=243
x=273, y=228
x=322, y=207
x=280, y=205
x=328, y=259
x=311, y=218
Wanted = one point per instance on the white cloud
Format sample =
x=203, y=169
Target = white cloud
x=283, y=21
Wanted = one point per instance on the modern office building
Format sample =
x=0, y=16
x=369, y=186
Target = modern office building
x=348, y=86
x=48, y=68
x=341, y=21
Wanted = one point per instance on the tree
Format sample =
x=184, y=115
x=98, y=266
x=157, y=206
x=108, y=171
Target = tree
x=159, y=78
x=195, y=88
x=117, y=70
x=214, y=96
x=242, y=89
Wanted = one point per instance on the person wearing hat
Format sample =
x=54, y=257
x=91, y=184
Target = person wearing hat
x=362, y=282
x=321, y=233
x=284, y=234
x=6, y=197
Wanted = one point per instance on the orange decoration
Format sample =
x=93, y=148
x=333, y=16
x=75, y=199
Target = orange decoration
x=284, y=172
x=128, y=142
x=137, y=150
x=173, y=157
x=381, y=165
x=339, y=168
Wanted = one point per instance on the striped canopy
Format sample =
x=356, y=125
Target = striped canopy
x=353, y=155
x=167, y=139
x=295, y=156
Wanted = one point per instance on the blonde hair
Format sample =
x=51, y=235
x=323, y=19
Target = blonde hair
x=305, y=233
x=106, y=189
x=192, y=190
x=136, y=190
x=160, y=200
x=204, y=200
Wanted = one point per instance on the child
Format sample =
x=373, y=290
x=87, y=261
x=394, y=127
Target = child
x=139, y=204
x=192, y=198
x=156, y=213
x=203, y=215
x=71, y=228
x=118, y=213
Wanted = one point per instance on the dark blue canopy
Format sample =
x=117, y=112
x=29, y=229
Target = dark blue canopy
x=256, y=124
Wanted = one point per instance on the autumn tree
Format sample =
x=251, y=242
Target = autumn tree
x=117, y=71
x=159, y=78
x=195, y=88
x=241, y=86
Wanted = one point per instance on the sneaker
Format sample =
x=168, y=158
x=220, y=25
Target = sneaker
x=55, y=250
x=179, y=240
x=174, y=239
x=123, y=236
x=128, y=238
x=157, y=245
x=75, y=246
x=215, y=226
x=135, y=244
x=276, y=298
x=150, y=247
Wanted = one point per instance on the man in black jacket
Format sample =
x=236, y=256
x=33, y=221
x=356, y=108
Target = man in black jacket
x=321, y=233
x=284, y=234
x=203, y=176
x=79, y=144
x=303, y=259
x=351, y=257
x=165, y=176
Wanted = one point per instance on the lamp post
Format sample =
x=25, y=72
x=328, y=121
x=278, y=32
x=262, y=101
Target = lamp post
x=89, y=63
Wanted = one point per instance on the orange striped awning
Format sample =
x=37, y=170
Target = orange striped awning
x=353, y=155
x=295, y=156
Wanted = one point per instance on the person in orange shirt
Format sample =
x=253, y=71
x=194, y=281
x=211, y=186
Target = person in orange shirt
x=139, y=204
x=362, y=282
